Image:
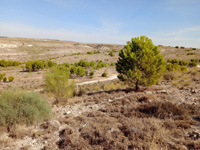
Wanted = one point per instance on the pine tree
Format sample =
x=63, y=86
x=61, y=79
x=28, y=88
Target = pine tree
x=140, y=62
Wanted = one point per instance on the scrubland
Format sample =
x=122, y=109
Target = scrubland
x=101, y=115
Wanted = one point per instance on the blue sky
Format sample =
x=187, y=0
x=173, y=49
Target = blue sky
x=166, y=22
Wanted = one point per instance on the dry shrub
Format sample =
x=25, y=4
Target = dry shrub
x=163, y=110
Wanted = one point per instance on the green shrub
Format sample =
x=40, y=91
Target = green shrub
x=80, y=71
x=104, y=74
x=56, y=83
x=8, y=63
x=182, y=47
x=92, y=64
x=82, y=63
x=112, y=64
x=73, y=70
x=34, y=65
x=176, y=46
x=2, y=75
x=4, y=79
x=11, y=78
x=191, y=53
x=50, y=64
x=111, y=54
x=89, y=53
x=21, y=107
x=193, y=62
x=193, y=48
x=96, y=52
x=91, y=74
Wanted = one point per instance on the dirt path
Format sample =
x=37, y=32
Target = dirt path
x=100, y=80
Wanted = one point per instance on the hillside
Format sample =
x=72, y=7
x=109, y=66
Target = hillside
x=105, y=113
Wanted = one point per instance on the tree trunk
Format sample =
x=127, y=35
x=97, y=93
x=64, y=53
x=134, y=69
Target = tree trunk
x=136, y=86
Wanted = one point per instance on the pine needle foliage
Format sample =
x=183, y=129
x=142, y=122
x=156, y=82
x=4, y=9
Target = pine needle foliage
x=140, y=62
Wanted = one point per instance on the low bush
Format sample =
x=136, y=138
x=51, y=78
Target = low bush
x=56, y=83
x=82, y=63
x=111, y=54
x=90, y=53
x=182, y=47
x=96, y=52
x=11, y=78
x=91, y=74
x=193, y=62
x=8, y=63
x=176, y=46
x=21, y=107
x=4, y=79
x=34, y=65
x=104, y=74
x=80, y=71
x=191, y=53
x=2, y=75
x=194, y=49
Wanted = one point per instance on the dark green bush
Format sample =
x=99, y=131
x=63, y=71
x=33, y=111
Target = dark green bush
x=34, y=65
x=89, y=53
x=92, y=64
x=4, y=79
x=50, y=64
x=80, y=71
x=191, y=53
x=111, y=54
x=176, y=46
x=91, y=74
x=82, y=63
x=182, y=47
x=193, y=62
x=8, y=63
x=73, y=70
x=21, y=107
x=193, y=48
x=11, y=78
x=104, y=74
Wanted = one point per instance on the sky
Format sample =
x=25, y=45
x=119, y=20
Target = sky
x=166, y=22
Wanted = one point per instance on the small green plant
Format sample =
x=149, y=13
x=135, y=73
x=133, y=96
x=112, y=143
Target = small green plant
x=194, y=49
x=176, y=46
x=4, y=79
x=56, y=83
x=80, y=71
x=182, y=47
x=91, y=74
x=11, y=78
x=21, y=107
x=2, y=75
x=90, y=53
x=111, y=54
x=96, y=52
x=191, y=53
x=104, y=74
